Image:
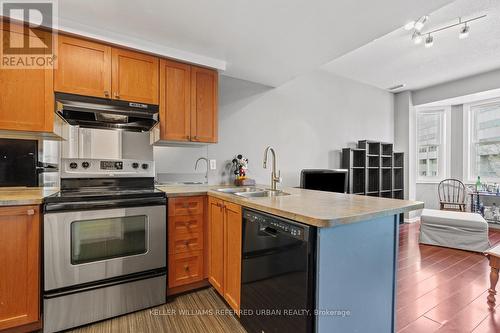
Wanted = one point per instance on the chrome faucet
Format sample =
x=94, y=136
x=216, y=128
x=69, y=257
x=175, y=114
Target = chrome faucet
x=275, y=177
x=196, y=166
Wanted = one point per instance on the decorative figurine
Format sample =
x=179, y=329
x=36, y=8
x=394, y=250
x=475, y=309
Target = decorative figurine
x=240, y=165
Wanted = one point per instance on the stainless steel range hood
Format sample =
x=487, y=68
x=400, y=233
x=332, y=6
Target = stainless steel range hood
x=92, y=112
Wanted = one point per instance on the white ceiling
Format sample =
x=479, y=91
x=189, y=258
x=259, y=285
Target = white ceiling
x=393, y=59
x=267, y=41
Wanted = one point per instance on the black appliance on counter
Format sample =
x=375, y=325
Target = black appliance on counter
x=19, y=165
x=330, y=180
x=277, y=274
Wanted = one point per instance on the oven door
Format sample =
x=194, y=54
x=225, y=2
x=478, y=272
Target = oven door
x=93, y=245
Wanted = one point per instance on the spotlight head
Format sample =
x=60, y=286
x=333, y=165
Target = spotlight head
x=464, y=32
x=410, y=25
x=429, y=41
x=417, y=38
x=421, y=22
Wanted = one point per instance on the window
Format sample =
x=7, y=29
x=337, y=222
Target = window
x=431, y=148
x=483, y=140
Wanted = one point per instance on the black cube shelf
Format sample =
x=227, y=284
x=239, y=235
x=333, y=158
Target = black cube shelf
x=374, y=169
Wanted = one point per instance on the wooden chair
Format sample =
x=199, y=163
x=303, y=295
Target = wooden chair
x=452, y=195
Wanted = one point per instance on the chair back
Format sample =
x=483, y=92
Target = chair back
x=452, y=194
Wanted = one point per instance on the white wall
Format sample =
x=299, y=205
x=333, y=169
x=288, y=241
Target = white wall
x=461, y=87
x=308, y=120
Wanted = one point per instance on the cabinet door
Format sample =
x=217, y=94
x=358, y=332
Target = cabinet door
x=135, y=76
x=232, y=254
x=203, y=104
x=216, y=244
x=26, y=95
x=20, y=265
x=83, y=68
x=175, y=99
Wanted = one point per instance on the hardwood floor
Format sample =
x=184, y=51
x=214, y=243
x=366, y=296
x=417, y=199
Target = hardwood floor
x=439, y=290
x=169, y=318
x=442, y=290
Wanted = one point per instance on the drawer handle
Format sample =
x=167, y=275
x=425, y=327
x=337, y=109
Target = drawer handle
x=186, y=243
x=106, y=93
x=186, y=268
x=30, y=212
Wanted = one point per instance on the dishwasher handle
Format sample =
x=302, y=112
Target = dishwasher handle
x=269, y=231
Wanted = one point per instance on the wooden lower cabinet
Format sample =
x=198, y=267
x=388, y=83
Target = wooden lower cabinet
x=20, y=268
x=224, y=238
x=186, y=243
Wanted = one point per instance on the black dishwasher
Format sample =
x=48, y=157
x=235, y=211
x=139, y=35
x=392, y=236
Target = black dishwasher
x=277, y=274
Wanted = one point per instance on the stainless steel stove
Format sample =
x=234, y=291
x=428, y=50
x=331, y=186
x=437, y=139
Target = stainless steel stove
x=104, y=242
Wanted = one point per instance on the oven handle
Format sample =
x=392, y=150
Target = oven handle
x=103, y=204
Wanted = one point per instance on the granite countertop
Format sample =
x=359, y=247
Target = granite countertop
x=321, y=209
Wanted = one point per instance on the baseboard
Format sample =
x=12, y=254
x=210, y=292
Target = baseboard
x=188, y=287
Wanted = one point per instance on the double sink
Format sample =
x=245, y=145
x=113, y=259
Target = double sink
x=253, y=192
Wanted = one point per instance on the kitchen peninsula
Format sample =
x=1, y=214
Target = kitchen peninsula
x=355, y=252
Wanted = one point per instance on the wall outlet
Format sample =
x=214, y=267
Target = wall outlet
x=213, y=164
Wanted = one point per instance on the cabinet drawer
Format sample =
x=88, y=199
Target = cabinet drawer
x=185, y=268
x=187, y=242
x=185, y=224
x=186, y=206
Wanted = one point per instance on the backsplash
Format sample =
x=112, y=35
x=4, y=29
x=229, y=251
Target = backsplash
x=176, y=164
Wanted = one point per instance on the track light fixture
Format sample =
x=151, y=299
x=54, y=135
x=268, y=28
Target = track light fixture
x=419, y=25
x=464, y=32
x=417, y=35
x=429, y=41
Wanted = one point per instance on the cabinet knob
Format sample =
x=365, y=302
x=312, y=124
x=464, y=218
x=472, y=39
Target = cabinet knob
x=186, y=268
x=186, y=243
x=106, y=93
x=30, y=212
x=188, y=137
x=195, y=137
x=117, y=95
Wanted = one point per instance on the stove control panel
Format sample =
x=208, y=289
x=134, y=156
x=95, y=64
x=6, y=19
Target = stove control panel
x=111, y=165
x=96, y=168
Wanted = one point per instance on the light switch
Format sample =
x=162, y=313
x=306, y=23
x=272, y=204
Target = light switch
x=213, y=164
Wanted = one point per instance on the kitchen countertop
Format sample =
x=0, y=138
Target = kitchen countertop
x=324, y=209
x=16, y=196
x=182, y=190
x=316, y=208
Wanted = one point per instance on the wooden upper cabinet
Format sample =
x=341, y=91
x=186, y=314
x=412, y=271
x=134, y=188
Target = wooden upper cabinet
x=20, y=266
x=83, y=68
x=135, y=76
x=26, y=95
x=204, y=104
x=175, y=101
x=216, y=244
x=232, y=254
